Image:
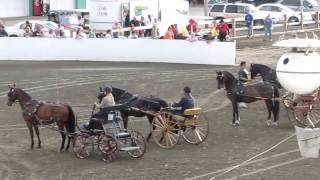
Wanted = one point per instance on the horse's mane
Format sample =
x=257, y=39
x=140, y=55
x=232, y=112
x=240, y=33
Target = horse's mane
x=228, y=74
x=265, y=67
x=26, y=95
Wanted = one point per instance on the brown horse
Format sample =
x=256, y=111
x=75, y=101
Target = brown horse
x=37, y=113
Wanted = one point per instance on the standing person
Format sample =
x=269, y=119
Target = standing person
x=224, y=30
x=148, y=21
x=249, y=21
x=243, y=78
x=192, y=26
x=116, y=27
x=155, y=28
x=268, y=28
x=3, y=32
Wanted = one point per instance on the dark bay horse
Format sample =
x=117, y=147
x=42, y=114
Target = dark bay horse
x=148, y=103
x=37, y=113
x=249, y=93
x=268, y=74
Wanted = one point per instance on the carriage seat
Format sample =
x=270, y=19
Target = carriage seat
x=123, y=135
x=192, y=112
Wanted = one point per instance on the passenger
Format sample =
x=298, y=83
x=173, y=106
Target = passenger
x=243, y=78
x=186, y=102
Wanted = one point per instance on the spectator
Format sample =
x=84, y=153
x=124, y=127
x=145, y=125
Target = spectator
x=38, y=32
x=148, y=32
x=3, y=32
x=108, y=34
x=249, y=20
x=214, y=30
x=133, y=35
x=155, y=28
x=268, y=28
x=116, y=30
x=60, y=31
x=28, y=25
x=51, y=34
x=142, y=23
x=92, y=33
x=79, y=34
x=192, y=37
x=192, y=26
x=27, y=32
x=169, y=34
x=223, y=29
x=175, y=30
x=134, y=22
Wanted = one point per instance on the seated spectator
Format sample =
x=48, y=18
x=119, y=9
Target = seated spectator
x=133, y=35
x=192, y=37
x=51, y=34
x=224, y=30
x=108, y=35
x=27, y=32
x=169, y=34
x=192, y=26
x=175, y=30
x=116, y=30
x=79, y=34
x=3, y=32
x=214, y=30
x=60, y=31
x=92, y=33
x=28, y=25
x=38, y=32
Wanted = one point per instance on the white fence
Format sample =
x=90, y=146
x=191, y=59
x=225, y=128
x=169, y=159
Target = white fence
x=128, y=50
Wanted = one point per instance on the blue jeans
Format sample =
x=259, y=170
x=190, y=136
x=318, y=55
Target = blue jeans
x=267, y=32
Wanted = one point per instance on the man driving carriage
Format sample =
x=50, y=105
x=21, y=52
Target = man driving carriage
x=186, y=102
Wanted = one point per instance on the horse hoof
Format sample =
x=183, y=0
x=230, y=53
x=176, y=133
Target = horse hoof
x=268, y=122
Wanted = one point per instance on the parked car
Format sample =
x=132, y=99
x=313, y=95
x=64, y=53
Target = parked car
x=70, y=18
x=18, y=29
x=213, y=2
x=277, y=12
x=296, y=4
x=236, y=10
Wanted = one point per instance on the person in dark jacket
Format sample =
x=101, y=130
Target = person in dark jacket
x=3, y=32
x=186, y=102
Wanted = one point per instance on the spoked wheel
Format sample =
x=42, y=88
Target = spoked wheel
x=307, y=114
x=139, y=142
x=107, y=144
x=196, y=129
x=167, y=130
x=82, y=145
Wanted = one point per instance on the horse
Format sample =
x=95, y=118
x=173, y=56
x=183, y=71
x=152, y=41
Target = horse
x=142, y=103
x=268, y=74
x=37, y=113
x=249, y=93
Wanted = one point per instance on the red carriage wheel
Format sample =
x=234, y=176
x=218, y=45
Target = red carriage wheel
x=82, y=145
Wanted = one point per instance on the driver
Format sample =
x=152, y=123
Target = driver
x=106, y=101
x=186, y=102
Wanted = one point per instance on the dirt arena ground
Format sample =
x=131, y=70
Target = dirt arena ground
x=76, y=83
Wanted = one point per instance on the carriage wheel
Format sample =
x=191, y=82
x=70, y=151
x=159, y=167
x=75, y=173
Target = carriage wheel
x=196, y=129
x=306, y=114
x=82, y=145
x=137, y=141
x=107, y=144
x=167, y=130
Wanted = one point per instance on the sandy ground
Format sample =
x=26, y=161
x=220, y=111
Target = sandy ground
x=76, y=83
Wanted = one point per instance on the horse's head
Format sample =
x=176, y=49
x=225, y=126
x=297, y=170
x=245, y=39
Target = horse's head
x=220, y=79
x=12, y=95
x=254, y=71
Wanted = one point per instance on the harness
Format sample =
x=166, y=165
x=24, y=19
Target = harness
x=30, y=110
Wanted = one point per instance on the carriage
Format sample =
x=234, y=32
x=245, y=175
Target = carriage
x=168, y=127
x=107, y=135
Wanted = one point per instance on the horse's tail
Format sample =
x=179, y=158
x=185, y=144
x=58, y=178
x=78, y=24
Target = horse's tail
x=276, y=103
x=71, y=124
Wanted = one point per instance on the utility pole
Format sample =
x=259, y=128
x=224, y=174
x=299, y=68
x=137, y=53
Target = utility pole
x=205, y=4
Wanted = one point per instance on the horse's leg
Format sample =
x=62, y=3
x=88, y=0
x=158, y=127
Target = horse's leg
x=63, y=136
x=29, y=125
x=68, y=142
x=150, y=119
x=276, y=106
x=269, y=105
x=36, y=129
x=235, y=112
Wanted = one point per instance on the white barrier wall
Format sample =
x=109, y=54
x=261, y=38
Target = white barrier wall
x=131, y=50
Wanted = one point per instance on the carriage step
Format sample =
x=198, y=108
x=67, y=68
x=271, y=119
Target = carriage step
x=132, y=148
x=124, y=135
